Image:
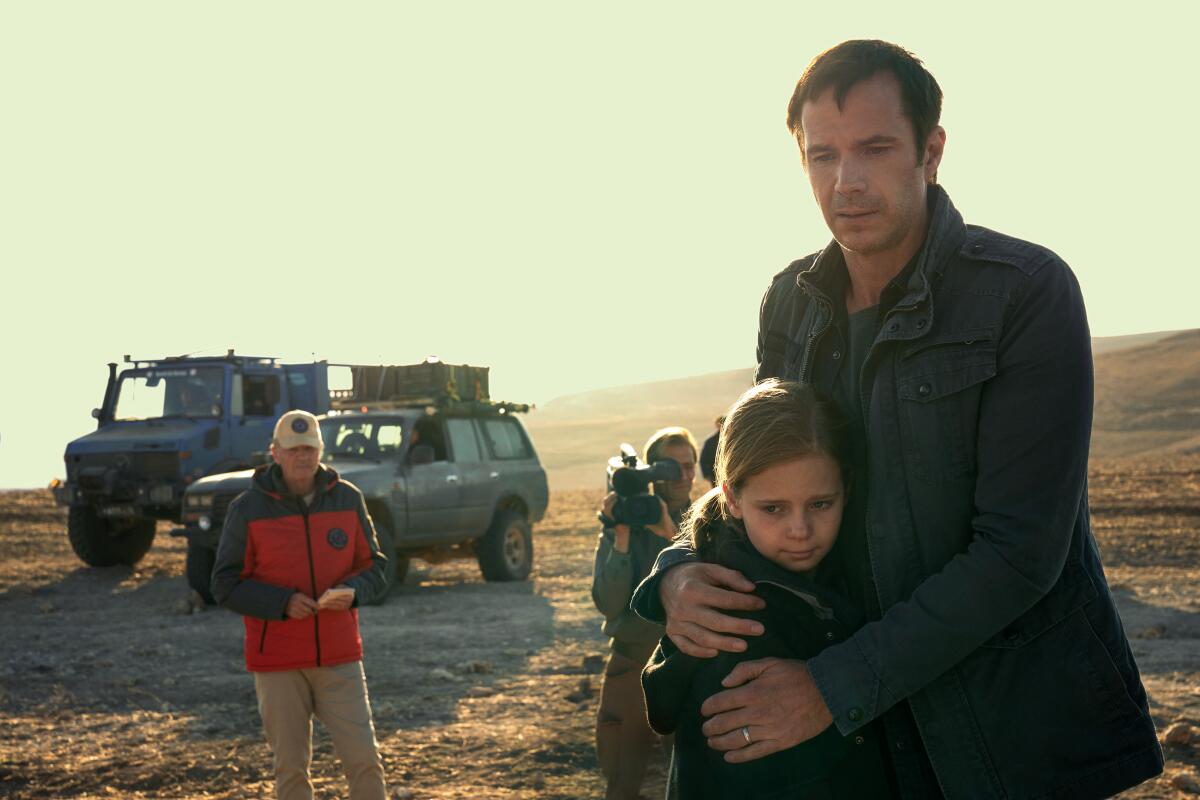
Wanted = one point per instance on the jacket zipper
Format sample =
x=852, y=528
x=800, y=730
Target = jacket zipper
x=811, y=345
x=312, y=577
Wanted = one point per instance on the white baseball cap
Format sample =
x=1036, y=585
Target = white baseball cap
x=297, y=428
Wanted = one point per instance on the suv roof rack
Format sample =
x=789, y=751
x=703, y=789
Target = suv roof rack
x=439, y=405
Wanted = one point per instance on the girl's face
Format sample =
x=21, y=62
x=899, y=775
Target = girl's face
x=792, y=510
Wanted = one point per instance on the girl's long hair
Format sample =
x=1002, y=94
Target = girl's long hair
x=772, y=423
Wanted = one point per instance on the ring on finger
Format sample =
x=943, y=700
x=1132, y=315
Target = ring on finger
x=746, y=734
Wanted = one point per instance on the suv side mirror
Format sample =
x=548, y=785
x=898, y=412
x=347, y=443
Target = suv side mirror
x=95, y=413
x=421, y=454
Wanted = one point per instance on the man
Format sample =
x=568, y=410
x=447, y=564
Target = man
x=297, y=555
x=624, y=556
x=994, y=654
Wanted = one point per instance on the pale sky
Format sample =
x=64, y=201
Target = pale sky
x=577, y=195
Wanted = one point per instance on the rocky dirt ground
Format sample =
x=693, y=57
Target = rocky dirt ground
x=112, y=684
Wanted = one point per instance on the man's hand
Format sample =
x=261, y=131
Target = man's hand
x=620, y=532
x=774, y=699
x=693, y=597
x=300, y=606
x=665, y=527
x=336, y=600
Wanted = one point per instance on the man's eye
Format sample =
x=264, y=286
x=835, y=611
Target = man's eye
x=819, y=504
x=771, y=509
x=877, y=150
x=821, y=158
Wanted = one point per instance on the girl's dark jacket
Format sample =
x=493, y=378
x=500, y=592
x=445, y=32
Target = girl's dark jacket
x=800, y=619
x=273, y=546
x=996, y=622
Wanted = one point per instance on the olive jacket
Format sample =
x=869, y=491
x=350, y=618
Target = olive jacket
x=996, y=622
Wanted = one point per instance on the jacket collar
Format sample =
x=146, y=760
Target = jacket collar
x=828, y=276
x=738, y=553
x=269, y=479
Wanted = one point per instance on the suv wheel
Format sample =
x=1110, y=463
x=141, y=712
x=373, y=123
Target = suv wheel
x=198, y=568
x=505, y=552
x=102, y=543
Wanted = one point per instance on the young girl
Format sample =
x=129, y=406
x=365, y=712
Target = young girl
x=774, y=517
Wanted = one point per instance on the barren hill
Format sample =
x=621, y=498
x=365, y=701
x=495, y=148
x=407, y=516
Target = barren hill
x=1148, y=398
x=1147, y=401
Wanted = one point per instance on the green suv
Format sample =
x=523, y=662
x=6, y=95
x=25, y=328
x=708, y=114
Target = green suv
x=461, y=480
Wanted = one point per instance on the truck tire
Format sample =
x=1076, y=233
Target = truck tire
x=391, y=575
x=199, y=567
x=102, y=543
x=505, y=552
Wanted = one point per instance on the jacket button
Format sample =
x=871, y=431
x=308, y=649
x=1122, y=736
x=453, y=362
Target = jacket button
x=859, y=740
x=837, y=354
x=899, y=745
x=1012, y=634
x=828, y=634
x=895, y=326
x=921, y=323
x=854, y=714
x=977, y=248
x=924, y=390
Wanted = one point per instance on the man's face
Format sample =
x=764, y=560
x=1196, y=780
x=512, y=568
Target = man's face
x=298, y=464
x=863, y=166
x=677, y=494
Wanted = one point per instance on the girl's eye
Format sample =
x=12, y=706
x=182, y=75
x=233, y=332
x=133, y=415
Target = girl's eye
x=770, y=509
x=821, y=504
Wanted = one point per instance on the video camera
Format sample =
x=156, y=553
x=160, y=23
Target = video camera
x=631, y=479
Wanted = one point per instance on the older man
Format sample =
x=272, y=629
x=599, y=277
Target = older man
x=994, y=655
x=297, y=555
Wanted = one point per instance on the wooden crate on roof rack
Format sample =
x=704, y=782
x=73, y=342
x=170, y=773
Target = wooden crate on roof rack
x=428, y=383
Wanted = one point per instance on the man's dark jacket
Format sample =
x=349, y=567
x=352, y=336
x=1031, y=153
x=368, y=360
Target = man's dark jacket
x=801, y=619
x=997, y=622
x=273, y=545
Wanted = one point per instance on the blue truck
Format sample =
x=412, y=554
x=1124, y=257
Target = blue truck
x=165, y=423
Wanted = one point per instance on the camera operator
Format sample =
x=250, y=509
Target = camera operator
x=624, y=556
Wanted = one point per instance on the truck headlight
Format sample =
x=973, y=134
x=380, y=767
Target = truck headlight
x=205, y=522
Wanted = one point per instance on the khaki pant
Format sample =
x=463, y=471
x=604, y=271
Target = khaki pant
x=337, y=696
x=624, y=739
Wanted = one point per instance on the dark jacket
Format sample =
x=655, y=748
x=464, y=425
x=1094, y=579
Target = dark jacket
x=272, y=546
x=998, y=625
x=801, y=619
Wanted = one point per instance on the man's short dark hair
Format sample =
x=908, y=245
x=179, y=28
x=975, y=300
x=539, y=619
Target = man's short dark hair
x=844, y=65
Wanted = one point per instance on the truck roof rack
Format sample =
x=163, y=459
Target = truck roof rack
x=230, y=356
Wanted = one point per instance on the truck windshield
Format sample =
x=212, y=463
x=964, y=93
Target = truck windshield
x=169, y=392
x=361, y=438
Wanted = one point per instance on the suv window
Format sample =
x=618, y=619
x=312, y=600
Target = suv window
x=463, y=441
x=505, y=439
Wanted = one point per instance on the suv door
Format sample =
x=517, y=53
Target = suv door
x=434, y=489
x=478, y=493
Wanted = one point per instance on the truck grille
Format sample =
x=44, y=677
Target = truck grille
x=156, y=466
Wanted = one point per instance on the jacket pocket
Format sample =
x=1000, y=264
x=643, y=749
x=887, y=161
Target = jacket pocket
x=1072, y=592
x=939, y=383
x=262, y=637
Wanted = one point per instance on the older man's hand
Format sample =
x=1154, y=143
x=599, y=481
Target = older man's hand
x=774, y=699
x=694, y=595
x=300, y=606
